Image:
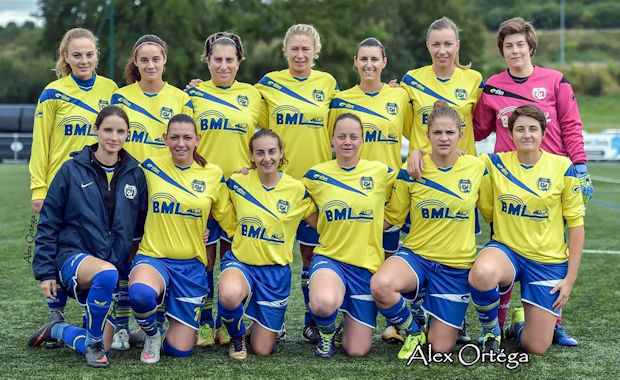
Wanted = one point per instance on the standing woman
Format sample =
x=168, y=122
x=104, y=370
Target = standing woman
x=350, y=194
x=298, y=100
x=268, y=205
x=227, y=113
x=94, y=210
x=170, y=263
x=523, y=83
x=442, y=206
x=150, y=103
x=65, y=112
x=535, y=194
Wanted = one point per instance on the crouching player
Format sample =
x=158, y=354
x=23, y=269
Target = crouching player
x=534, y=194
x=440, y=247
x=94, y=208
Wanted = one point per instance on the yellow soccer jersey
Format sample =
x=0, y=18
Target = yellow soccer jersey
x=462, y=92
x=298, y=110
x=384, y=116
x=350, y=203
x=267, y=219
x=180, y=200
x=442, y=206
x=63, y=124
x=148, y=117
x=226, y=118
x=531, y=203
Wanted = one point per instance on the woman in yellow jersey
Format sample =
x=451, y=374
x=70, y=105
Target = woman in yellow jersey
x=298, y=101
x=226, y=113
x=63, y=120
x=148, y=100
x=350, y=194
x=534, y=195
x=442, y=206
x=269, y=205
x=169, y=266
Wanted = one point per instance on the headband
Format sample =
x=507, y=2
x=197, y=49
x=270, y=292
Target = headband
x=145, y=43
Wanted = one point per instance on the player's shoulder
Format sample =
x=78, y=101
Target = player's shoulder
x=172, y=91
x=556, y=160
x=128, y=89
x=105, y=82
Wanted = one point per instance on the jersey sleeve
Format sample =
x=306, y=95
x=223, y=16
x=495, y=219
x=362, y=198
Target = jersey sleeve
x=485, y=196
x=484, y=119
x=569, y=120
x=50, y=224
x=188, y=105
x=478, y=94
x=408, y=120
x=308, y=206
x=573, y=209
x=398, y=206
x=263, y=114
x=44, y=116
x=222, y=209
x=389, y=186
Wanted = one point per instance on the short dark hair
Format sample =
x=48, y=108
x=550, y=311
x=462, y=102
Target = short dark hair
x=372, y=42
x=110, y=111
x=528, y=110
x=268, y=133
x=347, y=115
x=517, y=25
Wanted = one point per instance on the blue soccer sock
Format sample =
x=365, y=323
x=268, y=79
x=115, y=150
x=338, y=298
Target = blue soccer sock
x=160, y=316
x=486, y=303
x=400, y=316
x=98, y=303
x=305, y=278
x=122, y=308
x=232, y=319
x=326, y=325
x=60, y=302
x=206, y=313
x=171, y=351
x=143, y=300
x=74, y=337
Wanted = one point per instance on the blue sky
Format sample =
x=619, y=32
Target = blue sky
x=18, y=11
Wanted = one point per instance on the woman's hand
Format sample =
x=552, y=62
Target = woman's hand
x=415, y=163
x=205, y=236
x=193, y=83
x=243, y=171
x=564, y=287
x=37, y=205
x=48, y=288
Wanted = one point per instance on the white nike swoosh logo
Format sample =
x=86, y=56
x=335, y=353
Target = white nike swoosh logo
x=86, y=185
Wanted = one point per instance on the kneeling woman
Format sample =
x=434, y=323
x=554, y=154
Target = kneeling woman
x=534, y=194
x=269, y=205
x=350, y=194
x=94, y=208
x=440, y=247
x=169, y=266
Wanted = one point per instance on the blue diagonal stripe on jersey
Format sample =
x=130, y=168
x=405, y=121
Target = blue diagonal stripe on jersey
x=121, y=99
x=497, y=162
x=318, y=176
x=341, y=103
x=266, y=81
x=434, y=185
x=234, y=186
x=149, y=165
x=404, y=176
x=414, y=83
x=204, y=95
x=50, y=93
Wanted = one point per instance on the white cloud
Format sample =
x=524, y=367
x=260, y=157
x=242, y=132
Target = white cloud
x=18, y=12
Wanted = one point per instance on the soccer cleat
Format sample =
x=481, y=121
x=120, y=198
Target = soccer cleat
x=311, y=333
x=205, y=336
x=391, y=335
x=325, y=345
x=411, y=342
x=221, y=336
x=490, y=343
x=120, y=340
x=42, y=335
x=95, y=355
x=563, y=338
x=55, y=315
x=338, y=334
x=238, y=349
x=463, y=337
x=137, y=338
x=281, y=334
x=152, y=347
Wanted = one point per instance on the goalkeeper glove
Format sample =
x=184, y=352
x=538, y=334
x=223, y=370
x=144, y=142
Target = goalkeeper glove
x=585, y=181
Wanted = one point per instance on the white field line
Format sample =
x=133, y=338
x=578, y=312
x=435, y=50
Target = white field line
x=606, y=179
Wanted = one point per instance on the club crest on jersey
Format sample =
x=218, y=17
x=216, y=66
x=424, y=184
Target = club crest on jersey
x=130, y=191
x=391, y=108
x=460, y=94
x=283, y=206
x=198, y=186
x=367, y=183
x=539, y=93
x=103, y=104
x=165, y=113
x=318, y=95
x=543, y=184
x=465, y=186
x=243, y=100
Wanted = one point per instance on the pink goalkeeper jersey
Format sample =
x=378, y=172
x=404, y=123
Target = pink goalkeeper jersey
x=545, y=88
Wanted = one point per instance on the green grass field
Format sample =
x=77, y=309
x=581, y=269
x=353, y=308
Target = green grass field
x=591, y=315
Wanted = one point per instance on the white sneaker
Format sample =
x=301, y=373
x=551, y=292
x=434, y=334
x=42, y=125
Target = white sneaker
x=152, y=348
x=120, y=341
